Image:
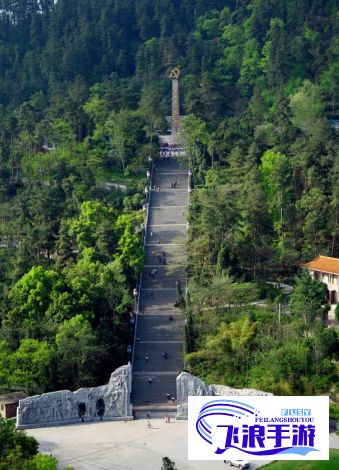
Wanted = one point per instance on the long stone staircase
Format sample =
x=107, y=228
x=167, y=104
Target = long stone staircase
x=160, y=325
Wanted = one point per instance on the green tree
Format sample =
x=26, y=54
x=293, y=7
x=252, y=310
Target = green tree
x=307, y=107
x=62, y=133
x=308, y=301
x=313, y=208
x=249, y=69
x=92, y=216
x=126, y=132
x=114, y=285
x=45, y=462
x=150, y=107
x=20, y=452
x=180, y=300
x=15, y=446
x=222, y=292
x=97, y=108
x=252, y=237
x=196, y=139
x=64, y=245
x=167, y=464
x=275, y=61
x=130, y=248
x=5, y=354
x=77, y=352
x=30, y=365
x=30, y=298
x=329, y=84
x=337, y=312
x=334, y=210
x=227, y=262
x=189, y=344
x=225, y=352
x=277, y=178
x=83, y=281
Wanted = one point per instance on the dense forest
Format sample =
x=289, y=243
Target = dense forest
x=83, y=87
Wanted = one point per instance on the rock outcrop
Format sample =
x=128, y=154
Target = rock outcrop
x=189, y=385
x=219, y=390
x=107, y=402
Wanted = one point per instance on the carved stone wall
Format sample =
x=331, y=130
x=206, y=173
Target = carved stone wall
x=189, y=385
x=107, y=402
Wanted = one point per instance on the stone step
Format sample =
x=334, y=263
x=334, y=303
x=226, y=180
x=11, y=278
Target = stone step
x=155, y=393
x=166, y=179
x=167, y=215
x=165, y=277
x=174, y=169
x=162, y=167
x=154, y=411
x=156, y=363
x=169, y=198
x=165, y=310
x=155, y=415
x=158, y=327
x=160, y=300
x=167, y=406
x=166, y=234
x=173, y=254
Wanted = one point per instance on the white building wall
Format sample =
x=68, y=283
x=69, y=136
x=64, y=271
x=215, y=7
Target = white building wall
x=331, y=281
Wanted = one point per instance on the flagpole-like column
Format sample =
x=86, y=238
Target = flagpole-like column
x=174, y=76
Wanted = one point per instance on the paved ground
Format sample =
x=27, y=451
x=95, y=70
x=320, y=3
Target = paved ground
x=126, y=446
x=165, y=252
x=122, y=446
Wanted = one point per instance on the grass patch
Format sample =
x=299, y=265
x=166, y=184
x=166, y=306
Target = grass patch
x=308, y=465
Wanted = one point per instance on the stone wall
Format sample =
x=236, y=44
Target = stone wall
x=189, y=385
x=107, y=402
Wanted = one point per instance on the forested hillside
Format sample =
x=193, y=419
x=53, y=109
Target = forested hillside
x=83, y=86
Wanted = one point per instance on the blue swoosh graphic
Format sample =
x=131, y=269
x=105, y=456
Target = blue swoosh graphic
x=202, y=424
x=209, y=414
x=224, y=407
x=286, y=450
x=206, y=424
x=204, y=433
x=228, y=401
x=300, y=450
x=216, y=408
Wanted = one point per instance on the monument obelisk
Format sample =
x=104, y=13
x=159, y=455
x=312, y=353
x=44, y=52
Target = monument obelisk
x=174, y=76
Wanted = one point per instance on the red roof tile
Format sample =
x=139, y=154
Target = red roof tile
x=324, y=264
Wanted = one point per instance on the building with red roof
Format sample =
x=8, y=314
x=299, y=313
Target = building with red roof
x=326, y=270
